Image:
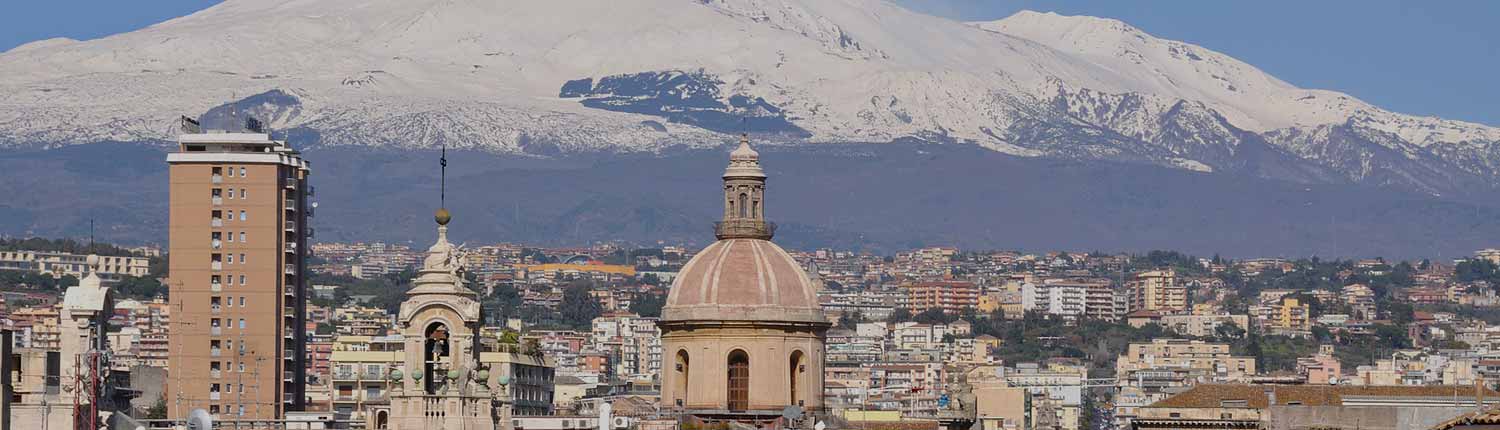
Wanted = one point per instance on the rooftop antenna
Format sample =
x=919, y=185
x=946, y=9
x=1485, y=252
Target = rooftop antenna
x=91, y=235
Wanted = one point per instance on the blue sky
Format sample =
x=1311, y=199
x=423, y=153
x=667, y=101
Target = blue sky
x=1415, y=57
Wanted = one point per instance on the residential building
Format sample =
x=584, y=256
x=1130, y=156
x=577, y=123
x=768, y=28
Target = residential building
x=1157, y=291
x=949, y=296
x=238, y=235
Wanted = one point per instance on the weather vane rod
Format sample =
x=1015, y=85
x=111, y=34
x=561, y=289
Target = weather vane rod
x=443, y=178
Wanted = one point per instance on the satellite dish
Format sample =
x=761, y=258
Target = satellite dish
x=792, y=412
x=199, y=419
x=820, y=426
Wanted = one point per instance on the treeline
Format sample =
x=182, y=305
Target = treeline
x=63, y=245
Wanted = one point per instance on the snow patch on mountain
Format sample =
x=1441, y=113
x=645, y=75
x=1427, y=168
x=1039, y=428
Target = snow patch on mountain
x=648, y=75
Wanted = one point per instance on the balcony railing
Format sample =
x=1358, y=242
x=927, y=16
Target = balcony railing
x=214, y=373
x=218, y=201
x=217, y=222
x=213, y=395
x=215, y=309
x=217, y=244
x=217, y=265
x=291, y=247
x=215, y=331
x=214, y=352
x=290, y=269
x=291, y=226
x=744, y=229
x=291, y=291
x=291, y=205
x=218, y=179
x=291, y=183
x=216, y=287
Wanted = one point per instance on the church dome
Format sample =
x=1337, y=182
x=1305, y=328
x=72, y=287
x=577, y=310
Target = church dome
x=743, y=280
x=743, y=276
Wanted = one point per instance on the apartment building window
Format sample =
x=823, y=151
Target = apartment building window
x=242, y=236
x=242, y=193
x=242, y=302
x=218, y=171
x=242, y=172
x=243, y=217
x=242, y=323
x=230, y=259
x=243, y=260
x=242, y=279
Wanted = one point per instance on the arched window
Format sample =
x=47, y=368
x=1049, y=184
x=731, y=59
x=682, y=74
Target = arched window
x=683, y=371
x=739, y=380
x=744, y=205
x=755, y=209
x=434, y=353
x=796, y=373
x=382, y=419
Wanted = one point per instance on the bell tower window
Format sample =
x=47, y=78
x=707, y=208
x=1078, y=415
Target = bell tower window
x=435, y=357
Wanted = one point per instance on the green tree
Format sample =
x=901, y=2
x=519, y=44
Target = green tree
x=900, y=315
x=158, y=411
x=578, y=308
x=648, y=305
x=932, y=316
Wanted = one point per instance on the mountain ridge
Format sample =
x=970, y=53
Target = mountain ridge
x=506, y=77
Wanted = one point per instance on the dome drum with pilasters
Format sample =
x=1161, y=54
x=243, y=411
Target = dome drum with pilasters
x=742, y=326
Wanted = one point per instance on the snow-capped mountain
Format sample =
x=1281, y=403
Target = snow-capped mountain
x=547, y=77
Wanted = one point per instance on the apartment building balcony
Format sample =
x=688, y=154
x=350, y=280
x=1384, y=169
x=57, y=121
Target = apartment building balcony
x=217, y=222
x=291, y=226
x=217, y=266
x=291, y=205
x=291, y=247
x=213, y=395
x=291, y=183
x=214, y=374
x=290, y=269
x=215, y=309
x=218, y=201
x=215, y=352
x=288, y=376
x=215, y=331
x=291, y=291
x=216, y=287
x=216, y=244
x=217, y=179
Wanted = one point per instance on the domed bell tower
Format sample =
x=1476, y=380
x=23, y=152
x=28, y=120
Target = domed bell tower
x=744, y=197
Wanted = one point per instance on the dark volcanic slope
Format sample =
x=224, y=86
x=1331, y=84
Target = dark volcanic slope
x=882, y=197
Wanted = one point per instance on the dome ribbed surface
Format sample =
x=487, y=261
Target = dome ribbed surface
x=743, y=280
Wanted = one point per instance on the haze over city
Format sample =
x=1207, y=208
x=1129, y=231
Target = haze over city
x=748, y=214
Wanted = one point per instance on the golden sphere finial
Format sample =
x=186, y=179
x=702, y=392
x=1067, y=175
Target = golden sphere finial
x=442, y=217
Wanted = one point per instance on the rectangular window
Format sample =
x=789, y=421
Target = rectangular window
x=230, y=260
x=243, y=260
x=218, y=170
x=242, y=323
x=242, y=302
x=243, y=217
x=242, y=279
x=242, y=172
x=242, y=193
x=242, y=236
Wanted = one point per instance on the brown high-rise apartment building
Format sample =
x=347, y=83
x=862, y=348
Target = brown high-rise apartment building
x=238, y=232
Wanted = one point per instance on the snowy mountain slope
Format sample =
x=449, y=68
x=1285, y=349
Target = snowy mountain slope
x=595, y=75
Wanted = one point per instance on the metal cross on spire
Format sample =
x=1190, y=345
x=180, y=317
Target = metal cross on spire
x=443, y=178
